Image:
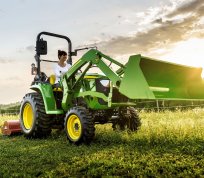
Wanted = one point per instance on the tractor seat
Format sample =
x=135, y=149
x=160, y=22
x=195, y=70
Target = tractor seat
x=52, y=79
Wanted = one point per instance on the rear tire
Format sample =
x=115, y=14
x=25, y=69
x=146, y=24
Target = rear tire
x=79, y=126
x=128, y=119
x=34, y=121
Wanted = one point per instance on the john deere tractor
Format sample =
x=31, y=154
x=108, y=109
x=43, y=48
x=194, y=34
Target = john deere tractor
x=83, y=99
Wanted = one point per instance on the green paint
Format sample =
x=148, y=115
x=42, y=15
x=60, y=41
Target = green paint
x=172, y=81
x=48, y=98
x=133, y=84
x=146, y=78
x=92, y=94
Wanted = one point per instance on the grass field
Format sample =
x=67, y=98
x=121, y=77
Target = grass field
x=169, y=144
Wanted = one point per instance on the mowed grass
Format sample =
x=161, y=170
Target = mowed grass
x=169, y=144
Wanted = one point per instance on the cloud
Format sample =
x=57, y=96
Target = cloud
x=193, y=5
x=22, y=1
x=30, y=48
x=6, y=60
x=2, y=12
x=14, y=78
x=167, y=26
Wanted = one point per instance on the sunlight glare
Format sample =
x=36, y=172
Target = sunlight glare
x=202, y=74
x=189, y=52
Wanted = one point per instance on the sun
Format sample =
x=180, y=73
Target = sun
x=189, y=52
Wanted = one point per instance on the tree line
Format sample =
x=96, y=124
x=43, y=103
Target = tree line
x=12, y=108
x=154, y=105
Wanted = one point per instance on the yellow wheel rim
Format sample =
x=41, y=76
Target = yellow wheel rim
x=28, y=116
x=74, y=127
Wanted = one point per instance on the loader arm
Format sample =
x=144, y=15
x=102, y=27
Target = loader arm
x=92, y=57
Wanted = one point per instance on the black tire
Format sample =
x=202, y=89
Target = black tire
x=128, y=119
x=41, y=122
x=83, y=126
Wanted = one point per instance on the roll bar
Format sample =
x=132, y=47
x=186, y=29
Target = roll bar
x=43, y=45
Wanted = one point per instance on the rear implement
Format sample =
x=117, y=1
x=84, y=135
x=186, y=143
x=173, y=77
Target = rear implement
x=11, y=127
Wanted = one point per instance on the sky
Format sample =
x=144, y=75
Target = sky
x=169, y=30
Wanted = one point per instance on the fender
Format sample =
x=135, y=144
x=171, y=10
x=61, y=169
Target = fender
x=46, y=91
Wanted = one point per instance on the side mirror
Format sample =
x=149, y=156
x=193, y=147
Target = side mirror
x=41, y=47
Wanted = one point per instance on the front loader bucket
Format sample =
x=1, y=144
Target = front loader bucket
x=145, y=78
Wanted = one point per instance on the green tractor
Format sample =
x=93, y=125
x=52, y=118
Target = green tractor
x=83, y=99
x=80, y=101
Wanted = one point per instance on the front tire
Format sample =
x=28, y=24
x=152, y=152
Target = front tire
x=33, y=119
x=79, y=126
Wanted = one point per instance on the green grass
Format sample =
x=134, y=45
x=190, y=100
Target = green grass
x=169, y=144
